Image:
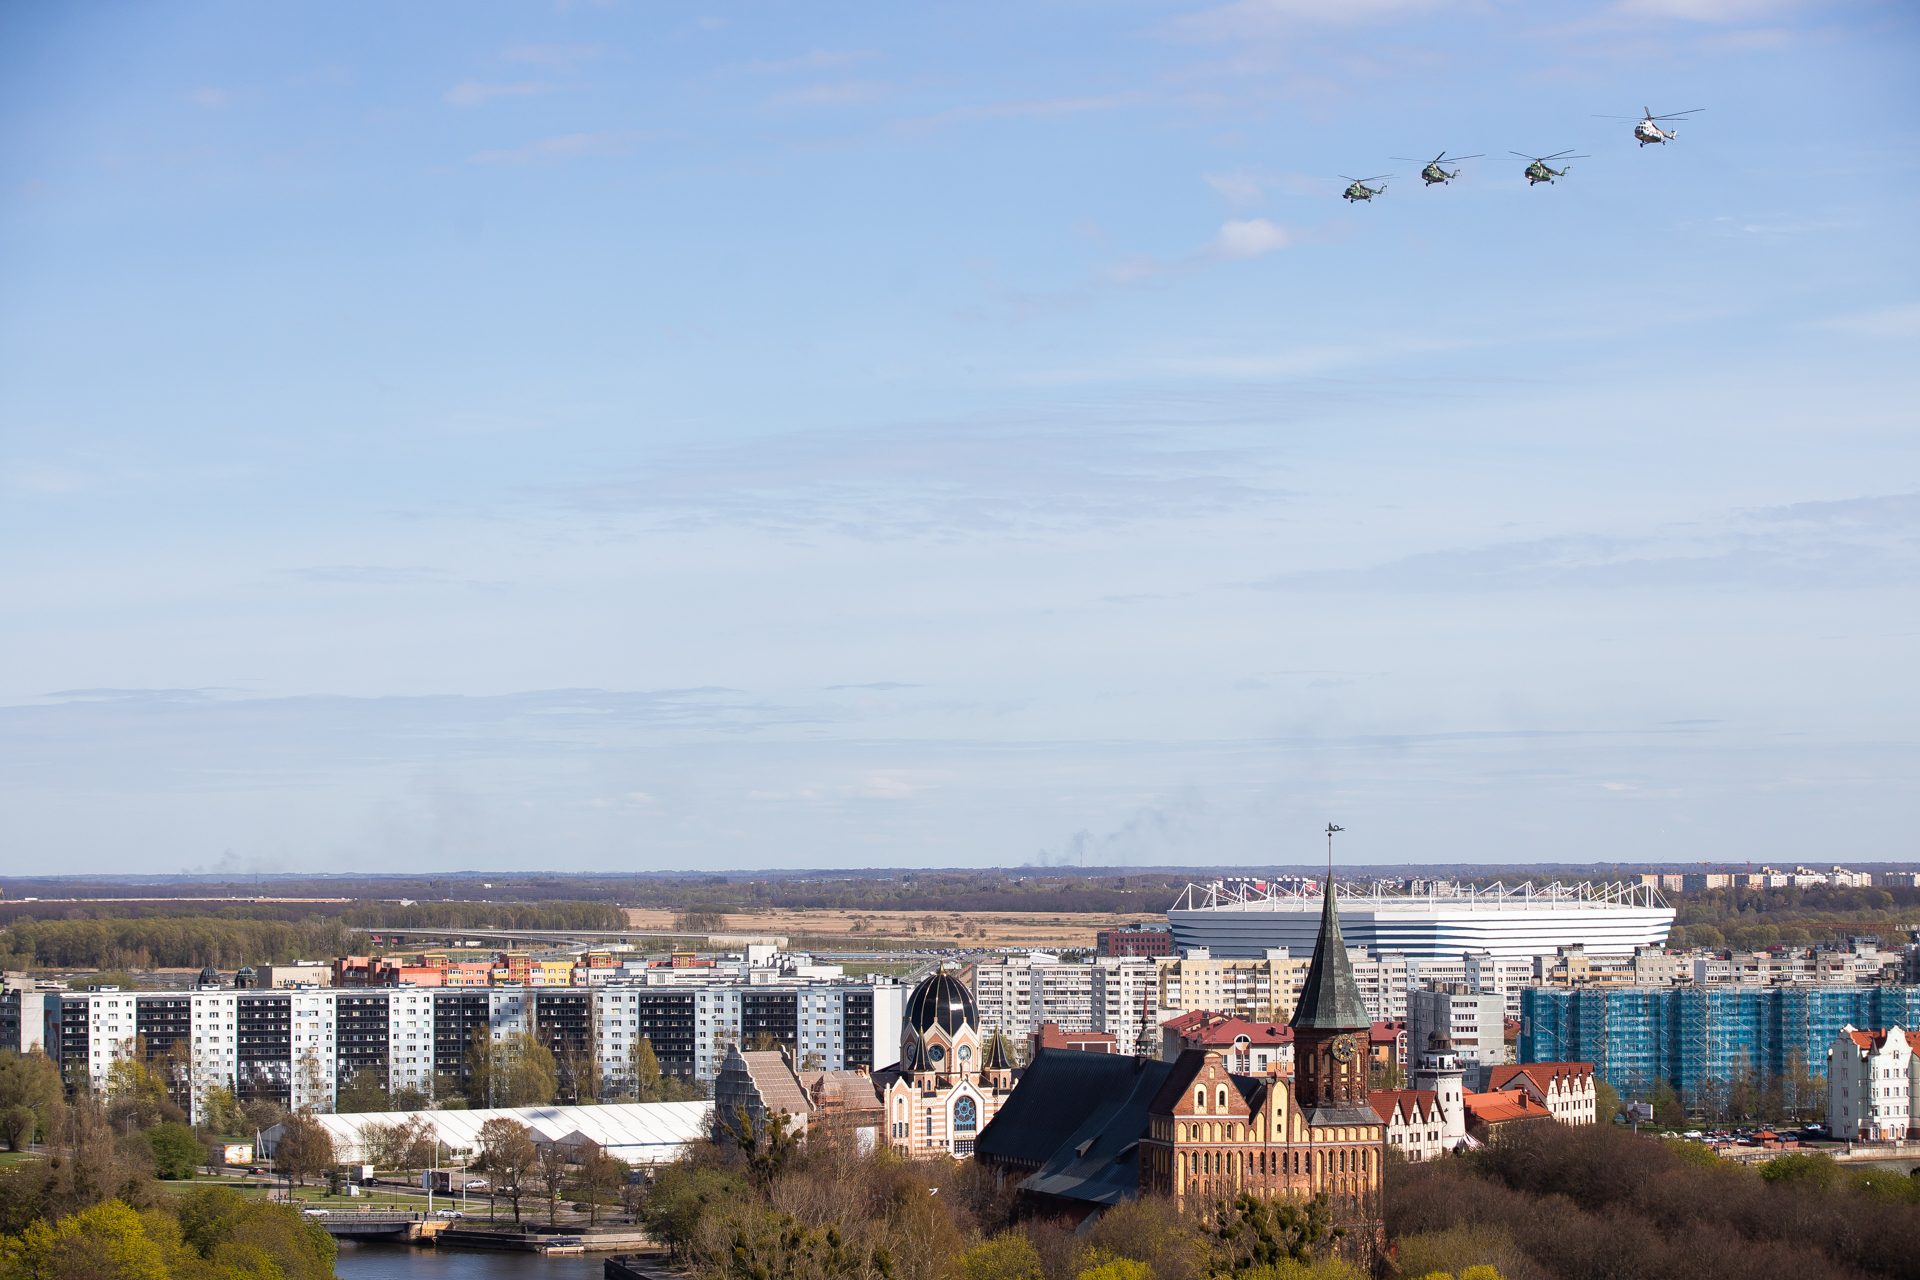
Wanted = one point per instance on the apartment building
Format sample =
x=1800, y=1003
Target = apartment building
x=1265, y=989
x=1472, y=1022
x=1116, y=994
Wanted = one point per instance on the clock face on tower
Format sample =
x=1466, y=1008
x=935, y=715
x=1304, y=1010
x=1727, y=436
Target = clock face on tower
x=1343, y=1050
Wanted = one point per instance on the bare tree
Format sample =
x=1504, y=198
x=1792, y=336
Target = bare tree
x=554, y=1170
x=507, y=1154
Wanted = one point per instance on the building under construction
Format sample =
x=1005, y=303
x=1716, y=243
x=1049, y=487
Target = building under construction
x=1698, y=1038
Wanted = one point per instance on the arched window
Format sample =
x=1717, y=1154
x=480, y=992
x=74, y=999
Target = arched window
x=1200, y=1098
x=1223, y=1097
x=966, y=1115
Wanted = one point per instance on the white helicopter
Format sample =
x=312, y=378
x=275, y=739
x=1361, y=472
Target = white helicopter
x=1649, y=130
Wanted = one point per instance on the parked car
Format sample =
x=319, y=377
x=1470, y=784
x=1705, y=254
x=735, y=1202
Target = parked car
x=448, y=1213
x=315, y=1213
x=478, y=1184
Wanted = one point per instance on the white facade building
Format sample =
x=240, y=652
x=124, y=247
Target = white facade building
x=1872, y=1080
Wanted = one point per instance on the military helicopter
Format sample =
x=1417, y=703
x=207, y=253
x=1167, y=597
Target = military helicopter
x=1433, y=173
x=1361, y=191
x=1648, y=131
x=1539, y=171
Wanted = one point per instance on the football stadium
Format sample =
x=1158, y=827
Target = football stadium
x=1244, y=919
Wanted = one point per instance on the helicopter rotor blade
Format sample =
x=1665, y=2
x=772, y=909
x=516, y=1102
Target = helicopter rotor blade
x=1457, y=159
x=1679, y=114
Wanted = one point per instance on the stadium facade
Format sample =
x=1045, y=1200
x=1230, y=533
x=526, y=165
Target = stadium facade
x=1242, y=920
x=1697, y=1038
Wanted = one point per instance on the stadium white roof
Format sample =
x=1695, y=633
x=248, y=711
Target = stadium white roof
x=637, y=1132
x=1526, y=920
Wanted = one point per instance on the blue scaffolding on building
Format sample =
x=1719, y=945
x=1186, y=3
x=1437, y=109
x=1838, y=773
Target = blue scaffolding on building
x=1695, y=1039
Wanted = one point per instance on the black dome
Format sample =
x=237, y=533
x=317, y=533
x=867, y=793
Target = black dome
x=942, y=1001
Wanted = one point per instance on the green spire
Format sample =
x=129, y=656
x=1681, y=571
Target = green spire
x=1331, y=999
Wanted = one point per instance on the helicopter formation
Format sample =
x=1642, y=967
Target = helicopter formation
x=1646, y=130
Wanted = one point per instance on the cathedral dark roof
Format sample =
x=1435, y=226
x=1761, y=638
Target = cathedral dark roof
x=1331, y=999
x=943, y=1001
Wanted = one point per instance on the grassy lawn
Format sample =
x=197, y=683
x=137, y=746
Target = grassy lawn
x=17, y=1157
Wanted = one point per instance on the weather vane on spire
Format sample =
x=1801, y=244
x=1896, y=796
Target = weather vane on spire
x=1330, y=830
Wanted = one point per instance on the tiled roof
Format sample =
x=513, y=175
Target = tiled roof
x=778, y=1087
x=1543, y=1074
x=1210, y=1034
x=1500, y=1106
x=1414, y=1105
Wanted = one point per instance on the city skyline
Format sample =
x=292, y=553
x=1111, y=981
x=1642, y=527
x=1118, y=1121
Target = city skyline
x=607, y=439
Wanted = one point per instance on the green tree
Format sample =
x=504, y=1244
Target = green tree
x=1007, y=1256
x=30, y=1080
x=176, y=1151
x=1110, y=1268
x=1252, y=1232
x=106, y=1242
x=681, y=1197
x=1815, y=1168
x=363, y=1092
x=135, y=1095
x=17, y=1125
x=219, y=1111
x=513, y=1071
x=1606, y=1102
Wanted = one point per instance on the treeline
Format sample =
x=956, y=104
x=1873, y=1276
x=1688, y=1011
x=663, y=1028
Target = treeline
x=986, y=891
x=165, y=943
x=1747, y=919
x=484, y=915
x=1569, y=1202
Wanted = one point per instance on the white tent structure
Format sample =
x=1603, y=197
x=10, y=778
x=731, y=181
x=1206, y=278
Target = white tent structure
x=638, y=1132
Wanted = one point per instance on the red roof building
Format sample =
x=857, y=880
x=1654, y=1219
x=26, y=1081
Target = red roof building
x=1249, y=1048
x=1564, y=1089
x=1488, y=1113
x=1050, y=1036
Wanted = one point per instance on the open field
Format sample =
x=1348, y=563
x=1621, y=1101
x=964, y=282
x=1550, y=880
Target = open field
x=974, y=928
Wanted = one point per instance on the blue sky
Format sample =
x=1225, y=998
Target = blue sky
x=672, y=436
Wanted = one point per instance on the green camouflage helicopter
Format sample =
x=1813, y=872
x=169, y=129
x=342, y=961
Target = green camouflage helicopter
x=1539, y=171
x=1361, y=191
x=1433, y=173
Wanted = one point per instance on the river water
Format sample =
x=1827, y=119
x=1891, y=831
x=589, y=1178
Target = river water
x=410, y=1262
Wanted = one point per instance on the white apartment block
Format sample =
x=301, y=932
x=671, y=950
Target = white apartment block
x=1262, y=990
x=1473, y=1022
x=1117, y=994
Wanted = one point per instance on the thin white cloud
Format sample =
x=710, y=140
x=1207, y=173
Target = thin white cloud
x=817, y=60
x=474, y=93
x=559, y=57
x=1901, y=321
x=1042, y=108
x=566, y=146
x=1251, y=238
x=837, y=94
x=1717, y=11
x=1256, y=19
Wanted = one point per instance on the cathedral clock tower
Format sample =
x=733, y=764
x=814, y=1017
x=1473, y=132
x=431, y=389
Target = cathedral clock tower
x=1330, y=1030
